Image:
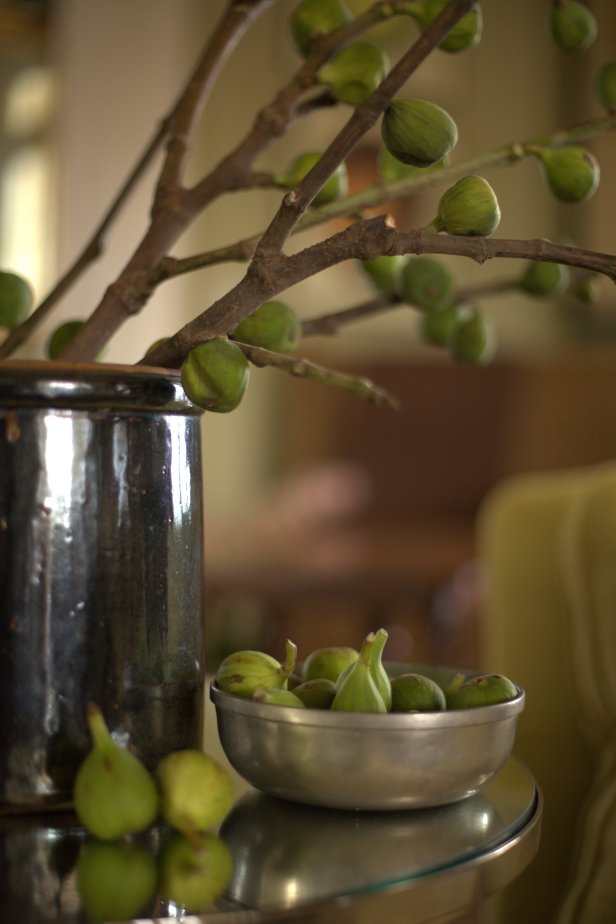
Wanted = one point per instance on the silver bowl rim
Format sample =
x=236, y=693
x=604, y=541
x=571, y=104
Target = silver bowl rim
x=391, y=721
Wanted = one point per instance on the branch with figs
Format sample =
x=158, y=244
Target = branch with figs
x=339, y=66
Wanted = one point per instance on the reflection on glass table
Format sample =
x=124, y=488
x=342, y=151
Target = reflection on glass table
x=289, y=861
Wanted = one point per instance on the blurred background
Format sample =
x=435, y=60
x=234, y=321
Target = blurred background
x=325, y=516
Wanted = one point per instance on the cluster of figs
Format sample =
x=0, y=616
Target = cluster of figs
x=119, y=802
x=344, y=679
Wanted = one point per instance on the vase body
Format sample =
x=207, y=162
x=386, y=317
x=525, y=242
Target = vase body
x=101, y=570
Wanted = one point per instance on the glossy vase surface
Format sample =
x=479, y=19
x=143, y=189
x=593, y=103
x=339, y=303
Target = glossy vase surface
x=101, y=569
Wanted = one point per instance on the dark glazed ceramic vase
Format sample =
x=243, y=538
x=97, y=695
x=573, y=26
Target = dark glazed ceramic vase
x=101, y=569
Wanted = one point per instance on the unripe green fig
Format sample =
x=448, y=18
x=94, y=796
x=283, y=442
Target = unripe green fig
x=113, y=792
x=437, y=326
x=482, y=690
x=277, y=697
x=333, y=188
x=543, y=279
x=215, y=375
x=425, y=283
x=61, y=337
x=244, y=672
x=585, y=287
x=573, y=26
x=16, y=299
x=194, y=872
x=313, y=18
x=384, y=271
x=354, y=72
x=472, y=340
x=605, y=86
x=115, y=882
x=572, y=172
x=273, y=326
x=454, y=685
x=157, y=343
x=469, y=207
x=195, y=791
x=390, y=169
x=465, y=34
x=377, y=669
x=328, y=662
x=417, y=132
x=416, y=692
x=356, y=690
x=316, y=694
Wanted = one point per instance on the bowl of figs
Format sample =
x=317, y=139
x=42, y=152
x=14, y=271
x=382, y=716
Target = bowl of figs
x=347, y=729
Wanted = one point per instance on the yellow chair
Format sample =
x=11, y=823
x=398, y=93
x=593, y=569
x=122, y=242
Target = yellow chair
x=546, y=546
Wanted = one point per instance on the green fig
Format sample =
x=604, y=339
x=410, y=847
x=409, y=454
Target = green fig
x=573, y=26
x=454, y=685
x=113, y=792
x=379, y=674
x=354, y=72
x=195, y=791
x=585, y=287
x=416, y=692
x=543, y=279
x=277, y=697
x=384, y=271
x=244, y=672
x=61, y=337
x=273, y=326
x=425, y=283
x=328, y=662
x=115, y=882
x=333, y=188
x=469, y=207
x=356, y=690
x=157, y=343
x=215, y=375
x=605, y=86
x=418, y=132
x=194, y=872
x=482, y=690
x=390, y=169
x=472, y=340
x=572, y=172
x=316, y=694
x=438, y=325
x=465, y=34
x=312, y=18
x=16, y=299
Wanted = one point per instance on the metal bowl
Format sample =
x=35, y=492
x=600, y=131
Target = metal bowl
x=367, y=761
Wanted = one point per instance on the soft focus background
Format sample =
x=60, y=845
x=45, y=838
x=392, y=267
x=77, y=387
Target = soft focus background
x=324, y=516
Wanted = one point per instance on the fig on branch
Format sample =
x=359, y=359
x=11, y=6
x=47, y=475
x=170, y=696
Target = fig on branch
x=572, y=172
x=311, y=19
x=113, y=792
x=334, y=187
x=390, y=169
x=438, y=325
x=356, y=690
x=384, y=271
x=61, y=337
x=543, y=279
x=195, y=792
x=425, y=283
x=273, y=326
x=469, y=207
x=605, y=86
x=465, y=34
x=16, y=299
x=472, y=340
x=573, y=26
x=418, y=132
x=244, y=672
x=215, y=375
x=328, y=662
x=354, y=72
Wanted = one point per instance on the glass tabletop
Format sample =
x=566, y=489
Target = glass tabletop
x=288, y=860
